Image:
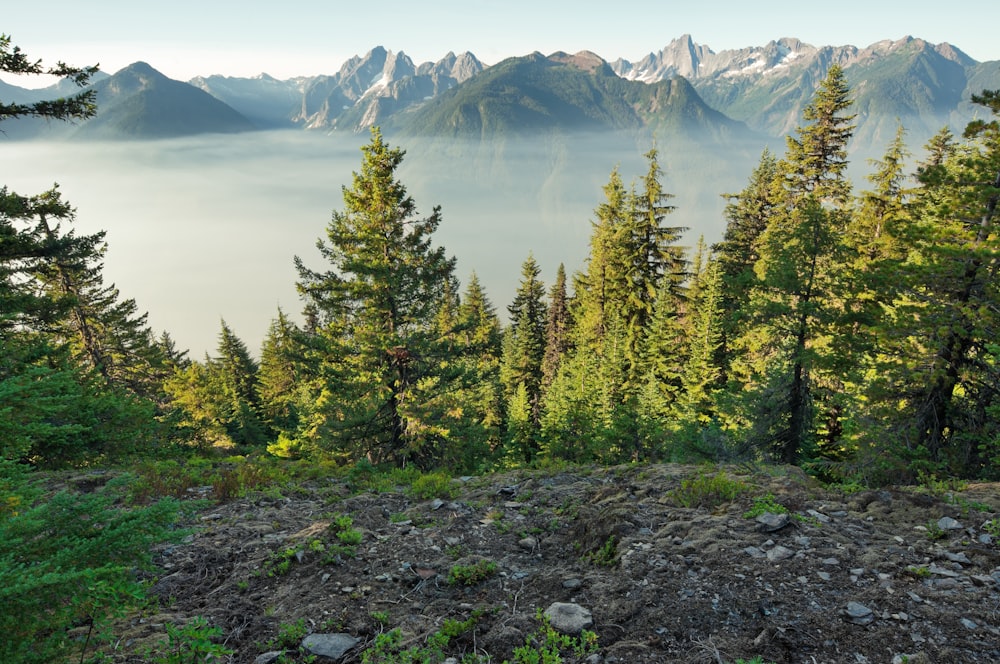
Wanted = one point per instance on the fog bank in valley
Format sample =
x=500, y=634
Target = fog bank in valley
x=205, y=228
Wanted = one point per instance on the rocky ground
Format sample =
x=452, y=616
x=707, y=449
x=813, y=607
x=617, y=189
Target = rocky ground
x=881, y=576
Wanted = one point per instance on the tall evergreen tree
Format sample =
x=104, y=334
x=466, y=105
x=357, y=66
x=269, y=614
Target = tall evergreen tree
x=557, y=329
x=378, y=303
x=800, y=301
x=602, y=289
x=949, y=312
x=523, y=352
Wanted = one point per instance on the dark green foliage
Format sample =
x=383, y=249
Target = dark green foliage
x=69, y=560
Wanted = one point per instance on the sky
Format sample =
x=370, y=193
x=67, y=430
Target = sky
x=188, y=38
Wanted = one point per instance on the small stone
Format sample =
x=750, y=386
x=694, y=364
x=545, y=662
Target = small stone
x=436, y=504
x=825, y=576
x=268, y=657
x=969, y=624
x=830, y=561
x=859, y=614
x=755, y=552
x=528, y=543
x=572, y=584
x=769, y=522
x=819, y=516
x=569, y=618
x=959, y=557
x=779, y=553
x=333, y=646
x=948, y=523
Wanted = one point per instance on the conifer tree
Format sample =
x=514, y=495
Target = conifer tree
x=799, y=304
x=747, y=215
x=602, y=289
x=278, y=376
x=557, y=329
x=949, y=312
x=377, y=306
x=523, y=352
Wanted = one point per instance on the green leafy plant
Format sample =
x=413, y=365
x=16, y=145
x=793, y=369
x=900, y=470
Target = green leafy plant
x=993, y=528
x=547, y=646
x=763, y=505
x=390, y=648
x=192, y=643
x=470, y=575
x=290, y=635
x=606, y=555
x=433, y=485
x=935, y=532
x=279, y=563
x=706, y=490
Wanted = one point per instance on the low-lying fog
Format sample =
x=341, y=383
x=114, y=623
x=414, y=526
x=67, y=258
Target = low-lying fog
x=205, y=228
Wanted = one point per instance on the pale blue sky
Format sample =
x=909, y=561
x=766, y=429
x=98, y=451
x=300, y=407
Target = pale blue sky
x=185, y=38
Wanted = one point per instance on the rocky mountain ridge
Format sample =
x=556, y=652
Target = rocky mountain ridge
x=910, y=81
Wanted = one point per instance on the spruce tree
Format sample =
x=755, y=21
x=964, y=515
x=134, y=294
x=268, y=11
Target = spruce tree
x=557, y=329
x=799, y=302
x=377, y=305
x=948, y=314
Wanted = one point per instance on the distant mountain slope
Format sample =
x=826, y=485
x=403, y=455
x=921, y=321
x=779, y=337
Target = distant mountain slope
x=922, y=85
x=561, y=92
x=264, y=100
x=138, y=102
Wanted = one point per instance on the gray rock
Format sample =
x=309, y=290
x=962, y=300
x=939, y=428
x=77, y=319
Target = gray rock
x=968, y=624
x=819, y=516
x=528, y=543
x=948, y=523
x=572, y=584
x=959, y=557
x=859, y=614
x=769, y=522
x=268, y=657
x=755, y=552
x=569, y=618
x=779, y=553
x=333, y=646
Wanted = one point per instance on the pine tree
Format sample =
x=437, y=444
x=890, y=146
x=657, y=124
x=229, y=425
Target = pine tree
x=949, y=381
x=377, y=306
x=603, y=288
x=798, y=306
x=557, y=329
x=523, y=352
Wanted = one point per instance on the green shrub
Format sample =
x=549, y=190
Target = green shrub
x=765, y=504
x=706, y=490
x=433, y=485
x=547, y=646
x=68, y=560
x=192, y=643
x=470, y=575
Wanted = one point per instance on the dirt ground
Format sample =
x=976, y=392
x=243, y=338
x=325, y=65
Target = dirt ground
x=876, y=576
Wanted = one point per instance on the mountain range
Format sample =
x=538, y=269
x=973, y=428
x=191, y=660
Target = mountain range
x=685, y=88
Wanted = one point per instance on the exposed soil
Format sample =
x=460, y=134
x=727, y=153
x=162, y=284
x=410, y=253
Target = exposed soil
x=683, y=584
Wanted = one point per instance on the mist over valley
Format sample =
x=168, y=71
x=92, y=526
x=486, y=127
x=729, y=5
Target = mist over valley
x=205, y=228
